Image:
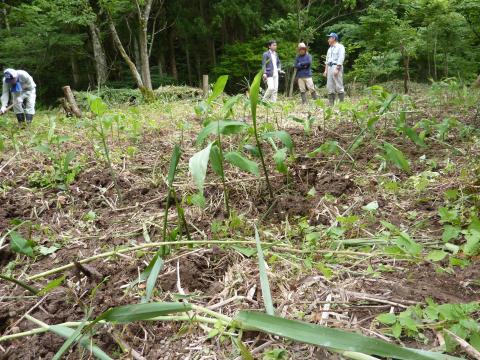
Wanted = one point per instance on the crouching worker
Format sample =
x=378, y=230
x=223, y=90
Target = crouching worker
x=23, y=89
x=303, y=64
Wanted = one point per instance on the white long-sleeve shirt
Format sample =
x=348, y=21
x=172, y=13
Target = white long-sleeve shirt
x=336, y=54
x=25, y=80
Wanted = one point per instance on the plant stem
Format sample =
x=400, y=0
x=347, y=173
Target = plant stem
x=225, y=190
x=262, y=160
x=33, y=290
x=181, y=215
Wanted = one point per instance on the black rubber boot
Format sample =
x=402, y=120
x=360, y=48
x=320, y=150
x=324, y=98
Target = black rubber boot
x=341, y=97
x=304, y=97
x=314, y=95
x=20, y=118
x=331, y=99
x=29, y=118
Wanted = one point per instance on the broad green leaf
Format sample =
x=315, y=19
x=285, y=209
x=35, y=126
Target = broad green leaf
x=387, y=318
x=244, y=352
x=138, y=312
x=97, y=106
x=450, y=233
x=224, y=127
x=21, y=245
x=265, y=285
x=279, y=157
x=282, y=135
x=408, y=245
x=198, y=167
x=43, y=148
x=412, y=135
x=331, y=338
x=51, y=285
x=155, y=266
x=216, y=160
x=85, y=341
x=229, y=104
x=252, y=150
x=371, y=206
x=396, y=156
x=472, y=235
x=327, y=148
x=173, y=165
x=242, y=162
x=436, y=255
x=397, y=330
x=218, y=88
x=248, y=252
x=372, y=121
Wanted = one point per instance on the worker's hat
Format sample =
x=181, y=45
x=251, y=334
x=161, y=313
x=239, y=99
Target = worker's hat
x=10, y=75
x=302, y=46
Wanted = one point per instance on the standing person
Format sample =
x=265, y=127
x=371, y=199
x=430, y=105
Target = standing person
x=23, y=89
x=272, y=67
x=334, y=69
x=303, y=64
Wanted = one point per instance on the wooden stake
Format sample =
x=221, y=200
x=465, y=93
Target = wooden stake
x=71, y=100
x=205, y=86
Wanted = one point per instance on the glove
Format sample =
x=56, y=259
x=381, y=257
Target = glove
x=3, y=110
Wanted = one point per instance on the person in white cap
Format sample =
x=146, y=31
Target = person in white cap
x=303, y=64
x=334, y=69
x=23, y=89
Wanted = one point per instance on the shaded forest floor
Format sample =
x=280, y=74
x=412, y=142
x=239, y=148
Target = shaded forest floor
x=357, y=236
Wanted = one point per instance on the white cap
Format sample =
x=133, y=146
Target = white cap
x=302, y=46
x=10, y=74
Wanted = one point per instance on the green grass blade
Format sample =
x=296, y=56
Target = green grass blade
x=331, y=338
x=242, y=162
x=386, y=104
x=266, y=294
x=138, y=312
x=85, y=341
x=70, y=341
x=156, y=266
x=173, y=165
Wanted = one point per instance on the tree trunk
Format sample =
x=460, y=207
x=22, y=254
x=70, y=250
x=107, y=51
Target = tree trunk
x=75, y=70
x=189, y=66
x=143, y=16
x=198, y=66
x=123, y=53
x=5, y=17
x=446, y=63
x=435, y=58
x=161, y=62
x=71, y=100
x=213, y=50
x=406, y=72
x=136, y=54
x=99, y=56
x=173, y=60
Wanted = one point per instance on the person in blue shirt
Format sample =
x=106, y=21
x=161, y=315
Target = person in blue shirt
x=303, y=64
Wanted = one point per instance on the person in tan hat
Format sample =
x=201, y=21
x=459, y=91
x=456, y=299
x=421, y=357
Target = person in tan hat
x=303, y=64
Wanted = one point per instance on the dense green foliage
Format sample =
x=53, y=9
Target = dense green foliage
x=385, y=39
